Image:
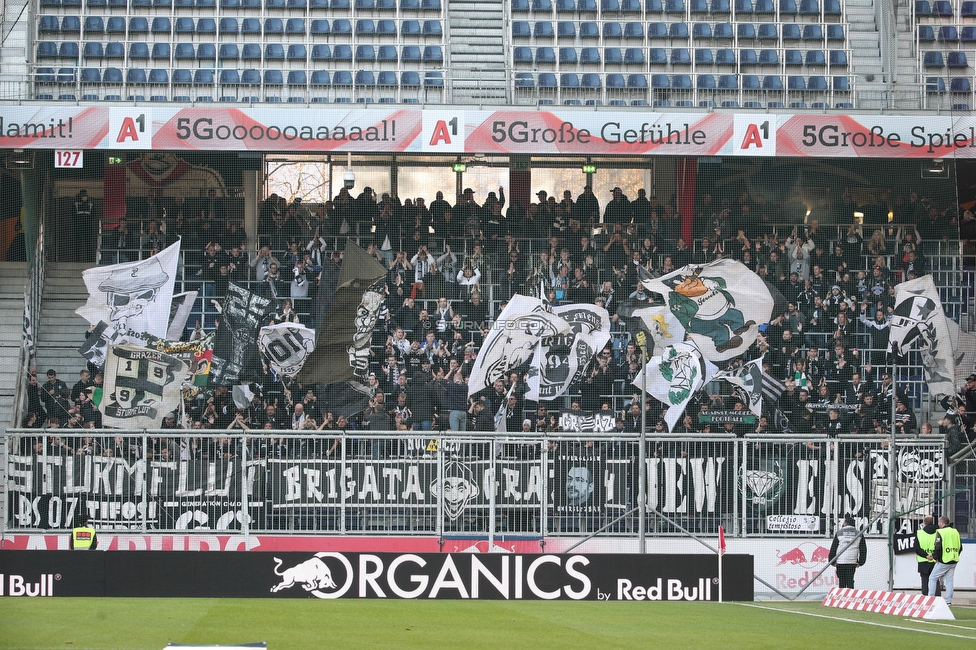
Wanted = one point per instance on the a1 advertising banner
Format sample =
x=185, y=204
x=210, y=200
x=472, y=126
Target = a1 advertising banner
x=451, y=130
x=331, y=575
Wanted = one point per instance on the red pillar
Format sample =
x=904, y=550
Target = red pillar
x=113, y=201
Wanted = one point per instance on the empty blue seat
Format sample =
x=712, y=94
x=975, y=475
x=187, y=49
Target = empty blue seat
x=612, y=55
x=841, y=84
x=655, y=55
x=832, y=8
x=926, y=34
x=701, y=30
x=590, y=80
x=250, y=26
x=935, y=85
x=674, y=7
x=251, y=52
x=948, y=34
x=182, y=76
x=564, y=29
x=410, y=28
x=160, y=51
x=586, y=6
x=569, y=80
x=543, y=29
x=339, y=4
x=182, y=26
x=615, y=80
x=364, y=5
x=634, y=6
x=206, y=52
x=547, y=80
x=817, y=83
x=206, y=26
x=660, y=102
x=704, y=57
x=722, y=31
x=681, y=82
x=517, y=5
x=365, y=78
x=295, y=26
x=115, y=25
x=206, y=4
x=835, y=32
x=791, y=32
x=590, y=56
x=230, y=4
x=660, y=81
x=654, y=6
x=767, y=32
x=772, y=82
x=968, y=9
x=637, y=81
x=342, y=53
x=138, y=25
x=320, y=78
x=365, y=27
x=94, y=25
x=568, y=55
x=815, y=58
x=746, y=31
x=433, y=54
x=432, y=28
x=274, y=52
x=91, y=76
x=115, y=50
x=960, y=85
x=728, y=82
x=968, y=34
x=725, y=57
x=297, y=78
x=612, y=30
x=942, y=8
x=565, y=6
x=297, y=52
x=678, y=30
x=956, y=60
x=386, y=5
x=135, y=76
x=365, y=53
x=410, y=53
x=524, y=80
x=748, y=57
x=71, y=25
x=93, y=51
x=521, y=29
x=162, y=25
x=430, y=5
x=838, y=59
x=273, y=26
x=680, y=56
x=230, y=77
x=138, y=51
x=610, y=6
x=809, y=8
x=252, y=77
x=319, y=27
x=522, y=55
x=776, y=104
x=923, y=8
x=743, y=7
x=409, y=79
x=933, y=60
x=752, y=104
x=792, y=57
x=768, y=57
x=720, y=6
x=698, y=6
x=111, y=76
x=589, y=31
x=635, y=30
x=794, y=82
x=203, y=77
x=545, y=55
x=812, y=33
x=228, y=51
x=296, y=4
x=386, y=78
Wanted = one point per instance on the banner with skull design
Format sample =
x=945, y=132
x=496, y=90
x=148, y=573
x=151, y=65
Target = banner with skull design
x=286, y=346
x=919, y=324
x=342, y=343
x=560, y=360
x=133, y=298
x=720, y=305
x=234, y=349
x=141, y=385
x=675, y=376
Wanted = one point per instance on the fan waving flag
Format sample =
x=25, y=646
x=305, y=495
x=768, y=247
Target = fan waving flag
x=513, y=339
x=560, y=360
x=286, y=346
x=141, y=385
x=675, y=376
x=748, y=377
x=342, y=343
x=721, y=305
x=919, y=324
x=658, y=323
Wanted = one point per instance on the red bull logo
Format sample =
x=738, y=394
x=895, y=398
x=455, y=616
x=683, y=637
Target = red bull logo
x=807, y=554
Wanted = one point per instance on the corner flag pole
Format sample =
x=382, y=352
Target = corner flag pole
x=642, y=452
x=721, y=552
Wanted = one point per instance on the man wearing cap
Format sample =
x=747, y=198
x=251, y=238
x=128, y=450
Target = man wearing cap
x=586, y=210
x=169, y=421
x=618, y=209
x=468, y=212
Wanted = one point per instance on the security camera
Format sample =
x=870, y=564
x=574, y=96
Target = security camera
x=349, y=180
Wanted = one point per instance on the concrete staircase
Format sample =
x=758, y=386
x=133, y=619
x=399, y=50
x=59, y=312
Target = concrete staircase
x=871, y=79
x=478, y=33
x=13, y=50
x=14, y=276
x=59, y=331
x=906, y=75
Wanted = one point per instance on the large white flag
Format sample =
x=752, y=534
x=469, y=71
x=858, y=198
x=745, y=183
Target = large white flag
x=663, y=326
x=675, y=376
x=720, y=304
x=141, y=386
x=286, y=346
x=512, y=339
x=748, y=377
x=179, y=312
x=561, y=360
x=132, y=298
x=919, y=323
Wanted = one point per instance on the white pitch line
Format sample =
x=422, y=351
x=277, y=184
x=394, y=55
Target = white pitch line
x=961, y=627
x=854, y=620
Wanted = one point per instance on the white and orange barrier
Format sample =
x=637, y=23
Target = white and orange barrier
x=931, y=608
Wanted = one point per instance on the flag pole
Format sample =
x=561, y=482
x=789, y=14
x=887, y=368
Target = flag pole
x=642, y=452
x=891, y=475
x=721, y=552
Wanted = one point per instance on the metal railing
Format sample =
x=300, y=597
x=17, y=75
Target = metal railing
x=444, y=484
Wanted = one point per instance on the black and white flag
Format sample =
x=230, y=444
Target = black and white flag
x=919, y=323
x=560, y=360
x=286, y=346
x=141, y=385
x=179, y=312
x=28, y=337
x=584, y=423
x=234, y=347
x=748, y=377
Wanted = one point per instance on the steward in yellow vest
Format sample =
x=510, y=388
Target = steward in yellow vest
x=83, y=538
x=924, y=545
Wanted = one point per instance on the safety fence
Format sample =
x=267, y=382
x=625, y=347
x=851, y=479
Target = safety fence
x=423, y=483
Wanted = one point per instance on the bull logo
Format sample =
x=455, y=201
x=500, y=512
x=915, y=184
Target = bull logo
x=314, y=576
x=798, y=556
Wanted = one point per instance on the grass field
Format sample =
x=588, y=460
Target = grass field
x=152, y=623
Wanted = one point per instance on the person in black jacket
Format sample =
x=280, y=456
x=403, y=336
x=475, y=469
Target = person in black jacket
x=924, y=545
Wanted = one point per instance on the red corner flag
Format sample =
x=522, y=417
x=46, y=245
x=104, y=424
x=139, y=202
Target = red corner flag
x=721, y=540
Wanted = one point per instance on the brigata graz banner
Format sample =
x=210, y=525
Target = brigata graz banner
x=454, y=130
x=331, y=575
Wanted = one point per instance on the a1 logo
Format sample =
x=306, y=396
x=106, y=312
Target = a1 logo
x=443, y=131
x=754, y=138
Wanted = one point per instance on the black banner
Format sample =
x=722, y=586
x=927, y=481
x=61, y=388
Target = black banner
x=235, y=345
x=329, y=575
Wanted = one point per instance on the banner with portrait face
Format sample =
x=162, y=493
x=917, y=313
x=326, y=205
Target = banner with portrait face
x=579, y=486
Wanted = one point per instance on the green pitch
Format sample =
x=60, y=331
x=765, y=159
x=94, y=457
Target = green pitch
x=151, y=623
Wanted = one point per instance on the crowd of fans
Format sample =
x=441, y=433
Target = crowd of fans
x=452, y=267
